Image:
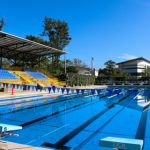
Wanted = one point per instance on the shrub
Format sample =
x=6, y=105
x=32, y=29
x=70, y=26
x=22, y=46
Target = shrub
x=77, y=79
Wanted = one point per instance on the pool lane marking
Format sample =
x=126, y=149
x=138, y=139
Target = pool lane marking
x=31, y=123
x=98, y=130
x=38, y=120
x=45, y=118
x=48, y=133
x=140, y=134
x=24, y=124
x=50, y=102
x=59, y=144
x=48, y=117
x=115, y=95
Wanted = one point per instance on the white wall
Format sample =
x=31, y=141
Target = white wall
x=94, y=72
x=137, y=65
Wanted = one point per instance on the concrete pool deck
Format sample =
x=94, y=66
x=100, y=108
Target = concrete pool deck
x=18, y=94
x=4, y=145
x=26, y=93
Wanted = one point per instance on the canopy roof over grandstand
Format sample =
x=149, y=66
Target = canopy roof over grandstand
x=13, y=47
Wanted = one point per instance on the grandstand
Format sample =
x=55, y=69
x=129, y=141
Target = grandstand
x=8, y=77
x=23, y=50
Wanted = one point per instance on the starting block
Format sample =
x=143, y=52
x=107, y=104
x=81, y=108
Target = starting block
x=121, y=143
x=4, y=128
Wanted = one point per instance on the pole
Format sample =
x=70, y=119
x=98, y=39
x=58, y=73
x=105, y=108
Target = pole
x=52, y=61
x=23, y=65
x=1, y=59
x=65, y=59
x=92, y=66
x=92, y=62
x=12, y=89
x=39, y=63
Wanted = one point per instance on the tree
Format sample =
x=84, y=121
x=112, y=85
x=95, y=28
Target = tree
x=110, y=65
x=146, y=72
x=2, y=24
x=57, y=32
x=37, y=39
x=71, y=69
x=110, y=69
x=79, y=63
x=6, y=62
x=117, y=72
x=68, y=63
x=103, y=72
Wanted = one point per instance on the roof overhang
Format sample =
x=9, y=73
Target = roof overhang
x=140, y=58
x=12, y=46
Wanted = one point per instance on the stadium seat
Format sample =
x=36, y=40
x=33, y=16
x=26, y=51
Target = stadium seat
x=38, y=76
x=7, y=77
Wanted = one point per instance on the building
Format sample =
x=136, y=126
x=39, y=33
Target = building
x=88, y=71
x=94, y=72
x=134, y=66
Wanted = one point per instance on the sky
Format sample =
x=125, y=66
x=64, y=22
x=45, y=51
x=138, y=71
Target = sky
x=116, y=30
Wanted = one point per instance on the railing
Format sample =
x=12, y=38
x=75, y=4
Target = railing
x=54, y=79
x=14, y=81
x=23, y=77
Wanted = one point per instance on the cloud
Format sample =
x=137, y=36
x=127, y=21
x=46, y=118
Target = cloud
x=126, y=56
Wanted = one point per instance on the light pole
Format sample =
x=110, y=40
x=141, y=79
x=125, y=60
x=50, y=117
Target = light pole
x=92, y=63
x=65, y=59
x=92, y=72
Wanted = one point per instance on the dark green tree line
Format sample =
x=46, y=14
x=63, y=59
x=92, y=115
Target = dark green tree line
x=111, y=70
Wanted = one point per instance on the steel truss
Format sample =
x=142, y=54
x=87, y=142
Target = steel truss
x=26, y=51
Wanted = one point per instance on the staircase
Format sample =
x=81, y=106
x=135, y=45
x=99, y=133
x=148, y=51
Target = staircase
x=24, y=77
x=50, y=76
x=40, y=84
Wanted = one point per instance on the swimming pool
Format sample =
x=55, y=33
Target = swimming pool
x=79, y=121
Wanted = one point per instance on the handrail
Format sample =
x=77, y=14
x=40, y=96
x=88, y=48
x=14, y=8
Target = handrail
x=22, y=76
x=53, y=78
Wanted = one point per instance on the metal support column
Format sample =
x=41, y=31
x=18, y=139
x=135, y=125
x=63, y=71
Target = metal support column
x=57, y=60
x=15, y=60
x=23, y=65
x=65, y=59
x=39, y=62
x=1, y=58
x=52, y=61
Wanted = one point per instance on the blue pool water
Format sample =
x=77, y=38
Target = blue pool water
x=77, y=121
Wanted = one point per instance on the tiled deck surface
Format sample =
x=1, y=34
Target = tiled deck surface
x=4, y=145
